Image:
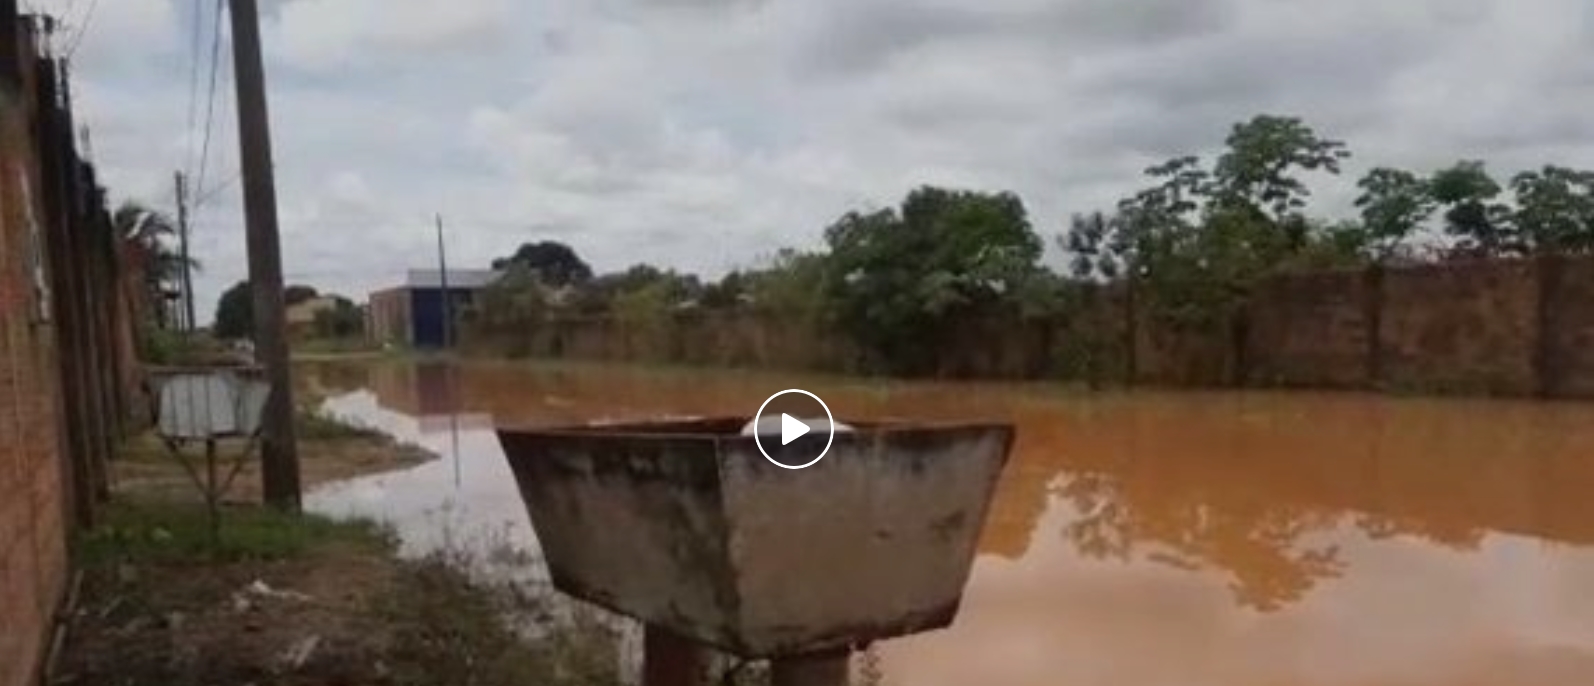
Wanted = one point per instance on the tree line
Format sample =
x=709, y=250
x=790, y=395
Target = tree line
x=1189, y=248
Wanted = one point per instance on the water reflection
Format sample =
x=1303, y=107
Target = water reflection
x=1138, y=538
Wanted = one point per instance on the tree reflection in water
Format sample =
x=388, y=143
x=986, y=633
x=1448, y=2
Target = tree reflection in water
x=1260, y=547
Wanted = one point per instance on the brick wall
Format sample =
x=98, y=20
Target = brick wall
x=65, y=348
x=1459, y=327
x=33, y=488
x=1310, y=330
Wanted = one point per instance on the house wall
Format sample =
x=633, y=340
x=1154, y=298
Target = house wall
x=388, y=317
x=427, y=314
x=33, y=484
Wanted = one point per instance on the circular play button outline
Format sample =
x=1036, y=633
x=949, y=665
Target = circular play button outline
x=758, y=419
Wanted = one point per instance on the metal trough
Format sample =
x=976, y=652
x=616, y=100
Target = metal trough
x=687, y=527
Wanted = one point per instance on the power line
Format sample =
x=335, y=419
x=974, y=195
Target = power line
x=88, y=21
x=210, y=108
x=208, y=195
x=195, y=46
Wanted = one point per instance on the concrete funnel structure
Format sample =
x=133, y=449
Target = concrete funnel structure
x=687, y=527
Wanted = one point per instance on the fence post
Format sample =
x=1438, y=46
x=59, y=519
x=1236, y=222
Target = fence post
x=1548, y=268
x=1131, y=332
x=1373, y=320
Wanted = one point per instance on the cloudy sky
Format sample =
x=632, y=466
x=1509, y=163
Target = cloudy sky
x=703, y=134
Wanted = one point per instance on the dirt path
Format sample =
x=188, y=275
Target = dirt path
x=293, y=599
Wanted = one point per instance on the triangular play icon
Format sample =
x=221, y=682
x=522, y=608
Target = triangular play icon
x=791, y=429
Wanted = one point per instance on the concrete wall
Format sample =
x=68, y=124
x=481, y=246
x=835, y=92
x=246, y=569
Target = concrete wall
x=1510, y=327
x=389, y=316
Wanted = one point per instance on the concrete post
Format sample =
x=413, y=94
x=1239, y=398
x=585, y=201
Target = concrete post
x=669, y=660
x=822, y=669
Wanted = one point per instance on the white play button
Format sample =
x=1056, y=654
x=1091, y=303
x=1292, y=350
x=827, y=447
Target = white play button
x=783, y=418
x=791, y=429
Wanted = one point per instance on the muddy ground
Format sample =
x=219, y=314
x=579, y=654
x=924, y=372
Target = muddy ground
x=282, y=599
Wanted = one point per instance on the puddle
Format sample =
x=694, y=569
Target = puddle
x=1200, y=539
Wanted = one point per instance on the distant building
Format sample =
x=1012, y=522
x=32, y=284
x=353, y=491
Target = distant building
x=413, y=314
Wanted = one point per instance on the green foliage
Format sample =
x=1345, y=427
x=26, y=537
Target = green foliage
x=1473, y=215
x=727, y=293
x=293, y=295
x=166, y=347
x=1555, y=209
x=553, y=263
x=344, y=320
x=792, y=287
x=1189, y=249
x=603, y=293
x=448, y=628
x=1259, y=168
x=235, y=313
x=898, y=279
x=158, y=532
x=147, y=237
x=1394, y=203
x=1198, y=241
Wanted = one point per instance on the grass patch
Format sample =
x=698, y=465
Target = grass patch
x=448, y=628
x=163, y=532
x=302, y=600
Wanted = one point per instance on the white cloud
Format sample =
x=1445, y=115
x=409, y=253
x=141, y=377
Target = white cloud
x=329, y=35
x=702, y=134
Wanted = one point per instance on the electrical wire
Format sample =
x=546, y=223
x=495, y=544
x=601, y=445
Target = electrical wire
x=210, y=108
x=195, y=48
x=87, y=23
x=211, y=194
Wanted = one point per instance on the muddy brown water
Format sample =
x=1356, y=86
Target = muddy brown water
x=1190, y=539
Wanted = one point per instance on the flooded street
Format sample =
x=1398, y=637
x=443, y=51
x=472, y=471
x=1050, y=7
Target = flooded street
x=1145, y=539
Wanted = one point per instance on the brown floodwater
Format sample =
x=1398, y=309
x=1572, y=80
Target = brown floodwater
x=1141, y=539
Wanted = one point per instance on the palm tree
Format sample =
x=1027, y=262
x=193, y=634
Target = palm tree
x=151, y=265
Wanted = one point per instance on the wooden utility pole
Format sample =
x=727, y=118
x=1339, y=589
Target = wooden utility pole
x=279, y=453
x=182, y=241
x=442, y=280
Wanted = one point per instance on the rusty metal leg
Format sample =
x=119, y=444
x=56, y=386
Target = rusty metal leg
x=669, y=660
x=821, y=669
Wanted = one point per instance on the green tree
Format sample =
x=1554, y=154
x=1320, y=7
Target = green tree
x=902, y=278
x=727, y=293
x=1394, y=203
x=343, y=320
x=1259, y=170
x=1193, y=246
x=1473, y=214
x=1089, y=242
x=293, y=295
x=792, y=287
x=146, y=237
x=235, y=313
x=555, y=263
x=1555, y=209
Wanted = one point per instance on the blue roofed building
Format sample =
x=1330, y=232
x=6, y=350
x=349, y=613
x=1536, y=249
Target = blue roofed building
x=413, y=314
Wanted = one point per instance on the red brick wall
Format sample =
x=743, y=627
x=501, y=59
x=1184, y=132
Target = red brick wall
x=33, y=526
x=1310, y=330
x=1573, y=333
x=1465, y=326
x=33, y=462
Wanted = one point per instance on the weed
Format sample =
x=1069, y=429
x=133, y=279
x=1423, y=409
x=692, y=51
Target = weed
x=170, y=532
x=446, y=624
